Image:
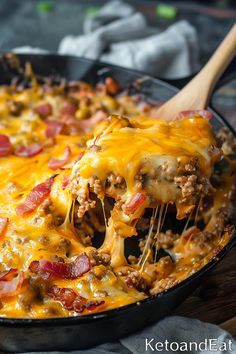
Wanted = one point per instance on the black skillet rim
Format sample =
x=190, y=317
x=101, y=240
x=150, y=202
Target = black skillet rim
x=76, y=320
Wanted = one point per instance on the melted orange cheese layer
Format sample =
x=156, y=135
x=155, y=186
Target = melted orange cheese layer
x=125, y=150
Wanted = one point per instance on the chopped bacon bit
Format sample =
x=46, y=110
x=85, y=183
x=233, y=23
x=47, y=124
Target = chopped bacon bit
x=72, y=270
x=35, y=198
x=72, y=301
x=68, y=108
x=44, y=110
x=5, y=145
x=112, y=86
x=34, y=268
x=80, y=304
x=137, y=201
x=75, y=126
x=3, y=225
x=129, y=282
x=56, y=163
x=29, y=151
x=96, y=118
x=65, y=295
x=54, y=127
x=65, y=182
x=203, y=113
x=8, y=274
x=11, y=287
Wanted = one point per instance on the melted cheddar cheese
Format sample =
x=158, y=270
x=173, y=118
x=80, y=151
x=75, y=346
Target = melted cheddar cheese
x=117, y=168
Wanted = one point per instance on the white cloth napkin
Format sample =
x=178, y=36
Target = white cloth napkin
x=119, y=35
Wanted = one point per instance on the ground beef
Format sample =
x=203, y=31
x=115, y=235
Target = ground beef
x=192, y=185
x=163, y=285
x=15, y=107
x=99, y=258
x=202, y=239
x=85, y=205
x=63, y=246
x=223, y=216
x=114, y=183
x=226, y=140
x=97, y=187
x=166, y=239
x=134, y=279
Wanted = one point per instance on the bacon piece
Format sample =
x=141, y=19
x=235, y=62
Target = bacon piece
x=44, y=110
x=54, y=127
x=72, y=270
x=65, y=295
x=35, y=198
x=65, y=182
x=112, y=86
x=75, y=126
x=72, y=301
x=8, y=274
x=56, y=163
x=5, y=145
x=29, y=151
x=136, y=202
x=3, y=225
x=204, y=113
x=11, y=287
x=68, y=108
x=95, y=119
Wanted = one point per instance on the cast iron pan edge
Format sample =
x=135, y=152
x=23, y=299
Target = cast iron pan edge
x=81, y=332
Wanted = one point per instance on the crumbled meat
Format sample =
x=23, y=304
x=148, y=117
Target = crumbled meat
x=166, y=239
x=164, y=284
x=116, y=181
x=192, y=185
x=99, y=258
x=227, y=141
x=63, y=246
x=134, y=279
x=202, y=239
x=44, y=240
x=84, y=204
x=223, y=216
x=15, y=107
x=97, y=187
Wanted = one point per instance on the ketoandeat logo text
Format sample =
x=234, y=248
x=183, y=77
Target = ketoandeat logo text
x=212, y=345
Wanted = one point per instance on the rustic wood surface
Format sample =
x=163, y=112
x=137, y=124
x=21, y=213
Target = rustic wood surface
x=215, y=300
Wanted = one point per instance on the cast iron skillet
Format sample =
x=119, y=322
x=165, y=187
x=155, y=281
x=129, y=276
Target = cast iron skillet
x=64, y=334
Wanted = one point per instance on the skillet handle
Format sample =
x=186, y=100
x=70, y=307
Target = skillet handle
x=226, y=77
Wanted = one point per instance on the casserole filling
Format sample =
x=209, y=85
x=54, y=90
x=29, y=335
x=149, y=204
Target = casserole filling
x=102, y=203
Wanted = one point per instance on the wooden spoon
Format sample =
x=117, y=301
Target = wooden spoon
x=196, y=94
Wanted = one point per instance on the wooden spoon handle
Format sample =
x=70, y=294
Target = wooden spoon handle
x=204, y=82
